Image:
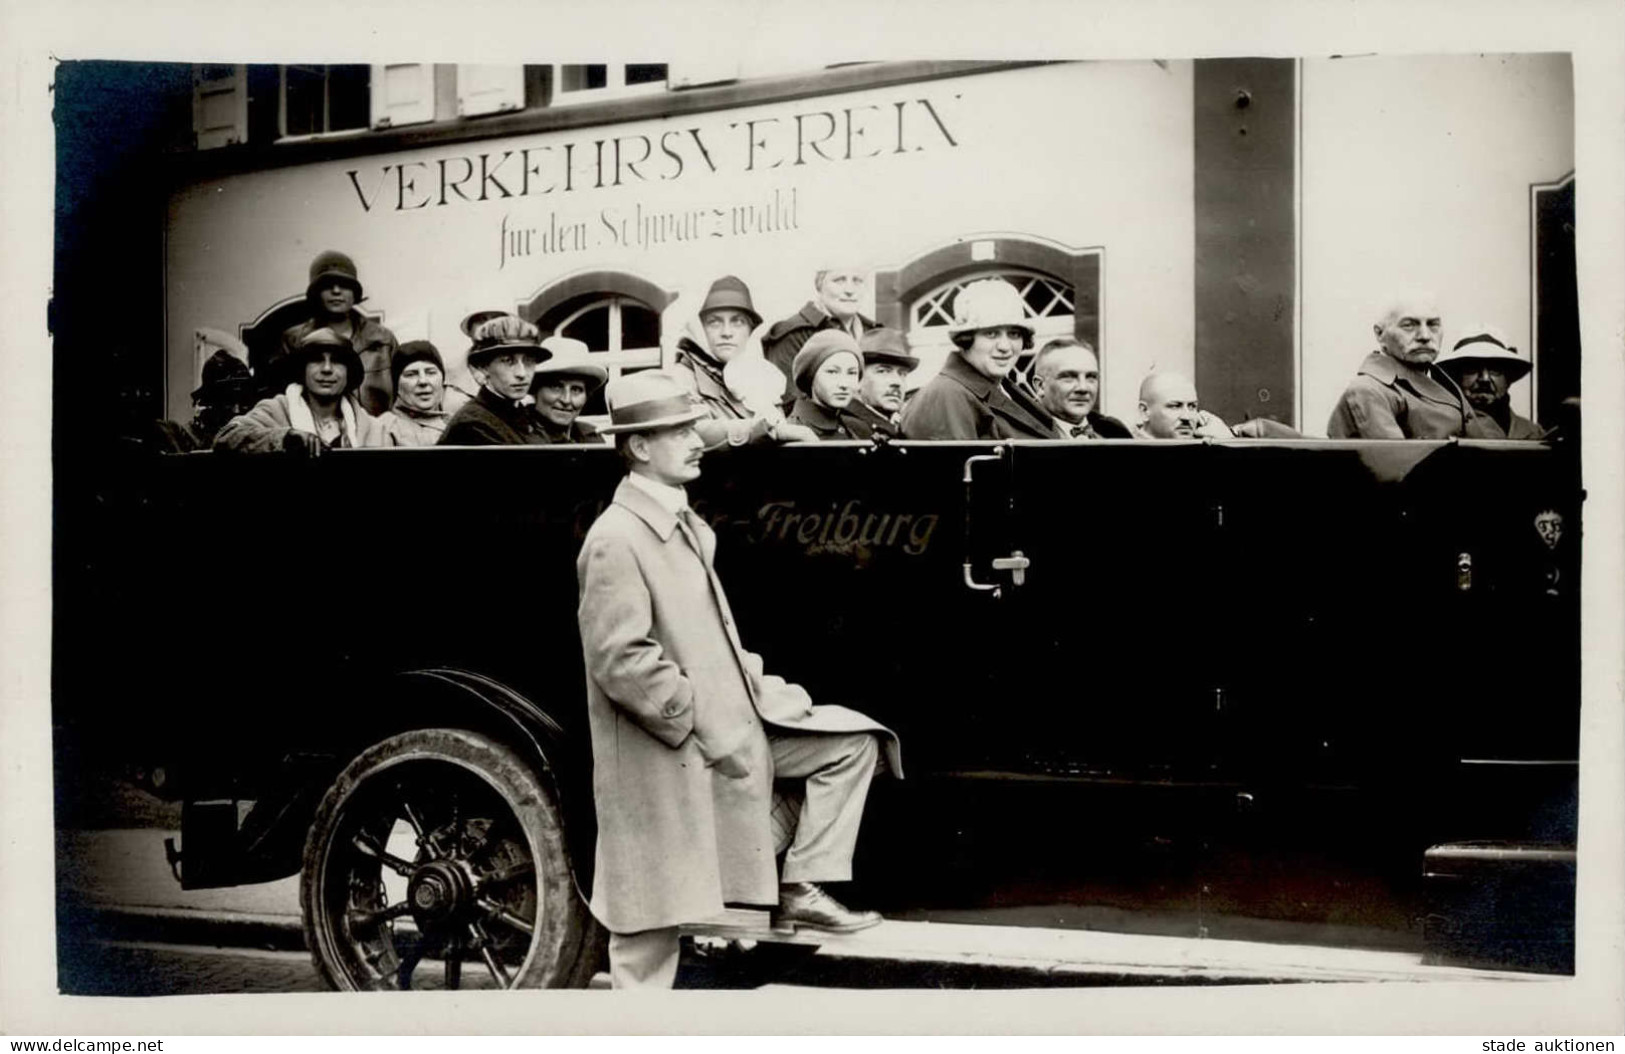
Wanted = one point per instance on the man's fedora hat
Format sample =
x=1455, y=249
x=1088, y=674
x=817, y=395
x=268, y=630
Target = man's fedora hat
x=1484, y=345
x=887, y=345
x=506, y=333
x=570, y=359
x=730, y=292
x=648, y=400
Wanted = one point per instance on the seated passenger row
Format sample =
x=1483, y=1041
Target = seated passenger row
x=844, y=381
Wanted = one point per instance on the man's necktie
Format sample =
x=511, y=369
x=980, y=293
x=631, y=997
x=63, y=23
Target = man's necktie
x=1082, y=431
x=690, y=528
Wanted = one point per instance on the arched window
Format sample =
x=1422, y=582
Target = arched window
x=616, y=315
x=1049, y=305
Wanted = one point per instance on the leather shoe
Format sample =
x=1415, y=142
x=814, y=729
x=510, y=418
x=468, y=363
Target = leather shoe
x=804, y=904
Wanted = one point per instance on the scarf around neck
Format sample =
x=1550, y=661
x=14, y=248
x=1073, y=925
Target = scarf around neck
x=300, y=417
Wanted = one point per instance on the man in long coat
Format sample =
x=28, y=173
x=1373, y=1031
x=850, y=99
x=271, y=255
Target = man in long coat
x=1398, y=393
x=688, y=732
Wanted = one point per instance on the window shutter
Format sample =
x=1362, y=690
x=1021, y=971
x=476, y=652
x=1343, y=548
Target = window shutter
x=489, y=89
x=696, y=73
x=402, y=93
x=219, y=105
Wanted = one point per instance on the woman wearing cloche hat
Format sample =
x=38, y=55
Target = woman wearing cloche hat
x=826, y=372
x=332, y=295
x=969, y=398
x=419, y=416
x=316, y=411
x=718, y=356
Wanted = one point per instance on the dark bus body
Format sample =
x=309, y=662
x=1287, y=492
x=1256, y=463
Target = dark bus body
x=1272, y=680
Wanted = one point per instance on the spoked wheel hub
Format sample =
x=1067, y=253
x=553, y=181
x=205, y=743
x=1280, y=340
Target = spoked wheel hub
x=441, y=893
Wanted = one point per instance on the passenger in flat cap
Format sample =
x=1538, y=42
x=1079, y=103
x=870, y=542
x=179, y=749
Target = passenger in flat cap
x=878, y=406
x=503, y=357
x=332, y=295
x=317, y=411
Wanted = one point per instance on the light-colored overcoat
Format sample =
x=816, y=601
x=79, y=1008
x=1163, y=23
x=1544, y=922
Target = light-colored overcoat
x=670, y=689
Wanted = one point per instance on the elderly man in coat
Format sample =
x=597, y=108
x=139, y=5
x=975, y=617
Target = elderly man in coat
x=1398, y=393
x=688, y=732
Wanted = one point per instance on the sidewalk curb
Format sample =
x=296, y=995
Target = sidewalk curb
x=831, y=964
x=221, y=929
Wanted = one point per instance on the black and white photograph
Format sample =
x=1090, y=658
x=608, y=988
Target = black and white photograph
x=1125, y=521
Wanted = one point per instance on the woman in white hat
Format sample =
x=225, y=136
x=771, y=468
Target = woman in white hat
x=969, y=398
x=562, y=386
x=1486, y=366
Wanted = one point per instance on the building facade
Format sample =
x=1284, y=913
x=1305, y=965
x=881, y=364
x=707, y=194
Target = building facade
x=1241, y=220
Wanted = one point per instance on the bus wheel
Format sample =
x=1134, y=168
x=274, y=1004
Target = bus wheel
x=437, y=860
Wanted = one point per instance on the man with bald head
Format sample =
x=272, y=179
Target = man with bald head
x=1397, y=392
x=1169, y=410
x=1066, y=380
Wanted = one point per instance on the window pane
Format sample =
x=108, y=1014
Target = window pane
x=646, y=73
x=640, y=327
x=348, y=99
x=592, y=328
x=579, y=77
x=304, y=100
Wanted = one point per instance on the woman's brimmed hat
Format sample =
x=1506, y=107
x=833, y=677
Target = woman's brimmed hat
x=645, y=401
x=569, y=359
x=729, y=292
x=323, y=340
x=1486, y=346
x=505, y=333
x=988, y=304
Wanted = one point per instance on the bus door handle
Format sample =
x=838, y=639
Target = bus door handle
x=970, y=484
x=1015, y=563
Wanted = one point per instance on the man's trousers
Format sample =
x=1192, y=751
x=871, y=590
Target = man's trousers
x=835, y=770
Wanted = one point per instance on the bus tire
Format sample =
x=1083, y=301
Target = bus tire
x=437, y=860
